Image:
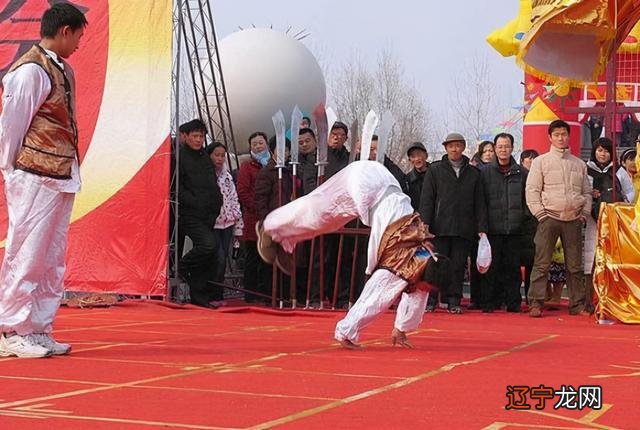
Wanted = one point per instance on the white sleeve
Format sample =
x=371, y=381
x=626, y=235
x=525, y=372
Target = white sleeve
x=410, y=310
x=25, y=90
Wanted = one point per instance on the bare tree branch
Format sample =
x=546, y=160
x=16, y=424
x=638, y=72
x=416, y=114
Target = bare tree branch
x=355, y=90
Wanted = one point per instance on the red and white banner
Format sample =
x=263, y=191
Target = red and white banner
x=119, y=225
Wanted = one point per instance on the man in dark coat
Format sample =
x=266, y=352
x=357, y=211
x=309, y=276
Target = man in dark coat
x=504, y=185
x=417, y=155
x=453, y=207
x=200, y=201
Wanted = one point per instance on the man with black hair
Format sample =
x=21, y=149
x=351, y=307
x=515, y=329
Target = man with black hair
x=559, y=195
x=417, y=155
x=504, y=182
x=307, y=145
x=39, y=161
x=399, y=253
x=337, y=154
x=199, y=203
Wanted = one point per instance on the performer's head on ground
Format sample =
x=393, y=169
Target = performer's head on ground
x=61, y=29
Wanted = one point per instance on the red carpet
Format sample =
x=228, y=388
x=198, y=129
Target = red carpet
x=143, y=365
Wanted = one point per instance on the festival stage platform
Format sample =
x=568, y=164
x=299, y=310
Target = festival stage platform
x=146, y=365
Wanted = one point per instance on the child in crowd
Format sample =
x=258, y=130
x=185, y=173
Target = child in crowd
x=229, y=223
x=557, y=276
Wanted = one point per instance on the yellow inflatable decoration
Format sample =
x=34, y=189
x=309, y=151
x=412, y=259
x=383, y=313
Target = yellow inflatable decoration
x=506, y=40
x=570, y=41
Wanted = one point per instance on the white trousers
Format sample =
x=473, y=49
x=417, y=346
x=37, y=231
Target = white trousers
x=31, y=277
x=380, y=292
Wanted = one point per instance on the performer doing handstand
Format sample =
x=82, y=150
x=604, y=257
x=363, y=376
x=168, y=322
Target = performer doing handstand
x=401, y=261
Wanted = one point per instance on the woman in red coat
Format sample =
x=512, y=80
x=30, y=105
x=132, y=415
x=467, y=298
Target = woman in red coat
x=256, y=272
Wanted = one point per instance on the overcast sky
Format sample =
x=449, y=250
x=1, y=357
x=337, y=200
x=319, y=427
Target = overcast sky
x=432, y=39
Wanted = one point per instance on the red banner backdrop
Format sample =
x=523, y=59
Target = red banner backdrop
x=119, y=226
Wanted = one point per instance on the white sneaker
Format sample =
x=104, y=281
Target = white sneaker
x=22, y=346
x=46, y=341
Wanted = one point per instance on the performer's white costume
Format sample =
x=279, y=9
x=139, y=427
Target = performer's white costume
x=367, y=190
x=31, y=278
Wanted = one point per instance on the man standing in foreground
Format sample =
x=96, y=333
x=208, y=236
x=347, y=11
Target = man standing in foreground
x=39, y=161
x=452, y=204
x=559, y=196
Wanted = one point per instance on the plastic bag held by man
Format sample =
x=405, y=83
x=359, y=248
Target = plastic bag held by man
x=484, y=254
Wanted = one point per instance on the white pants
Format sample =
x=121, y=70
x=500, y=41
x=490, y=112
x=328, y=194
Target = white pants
x=380, y=292
x=367, y=190
x=31, y=277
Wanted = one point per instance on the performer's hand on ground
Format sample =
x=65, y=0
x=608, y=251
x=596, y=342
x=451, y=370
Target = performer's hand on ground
x=398, y=337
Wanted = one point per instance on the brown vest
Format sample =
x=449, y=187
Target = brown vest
x=51, y=142
x=398, y=246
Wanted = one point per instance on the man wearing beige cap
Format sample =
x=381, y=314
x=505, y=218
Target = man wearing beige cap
x=453, y=207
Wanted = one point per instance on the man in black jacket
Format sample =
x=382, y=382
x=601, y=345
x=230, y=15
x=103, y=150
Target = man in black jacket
x=308, y=171
x=504, y=184
x=199, y=201
x=417, y=155
x=338, y=159
x=453, y=207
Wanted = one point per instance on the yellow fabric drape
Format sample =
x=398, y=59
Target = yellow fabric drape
x=616, y=273
x=573, y=39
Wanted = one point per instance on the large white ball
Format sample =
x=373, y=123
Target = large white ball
x=266, y=71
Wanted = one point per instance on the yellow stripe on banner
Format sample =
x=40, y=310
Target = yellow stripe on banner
x=135, y=111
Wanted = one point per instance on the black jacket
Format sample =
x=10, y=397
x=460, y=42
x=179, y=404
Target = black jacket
x=415, y=180
x=397, y=173
x=451, y=205
x=199, y=195
x=603, y=182
x=267, y=189
x=505, y=198
x=337, y=159
x=308, y=172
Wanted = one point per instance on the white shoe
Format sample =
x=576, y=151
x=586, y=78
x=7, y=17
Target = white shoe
x=22, y=346
x=46, y=341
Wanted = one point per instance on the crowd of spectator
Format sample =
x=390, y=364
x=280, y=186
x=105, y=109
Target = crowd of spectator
x=538, y=214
